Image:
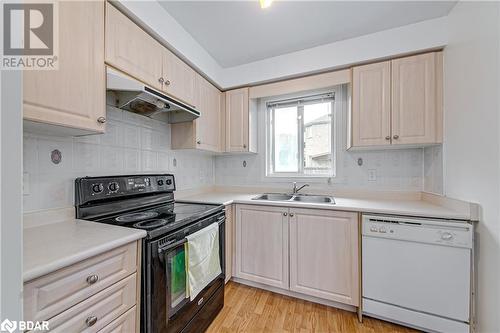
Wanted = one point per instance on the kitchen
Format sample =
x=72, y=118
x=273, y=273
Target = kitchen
x=193, y=166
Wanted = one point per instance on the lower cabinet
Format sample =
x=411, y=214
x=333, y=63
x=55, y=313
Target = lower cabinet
x=309, y=251
x=324, y=254
x=229, y=234
x=101, y=293
x=262, y=245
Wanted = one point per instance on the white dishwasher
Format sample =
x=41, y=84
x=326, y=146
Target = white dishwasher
x=418, y=272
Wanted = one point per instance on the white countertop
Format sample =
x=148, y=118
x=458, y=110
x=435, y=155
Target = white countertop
x=392, y=206
x=50, y=247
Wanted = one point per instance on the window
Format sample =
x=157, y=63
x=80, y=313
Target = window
x=300, y=136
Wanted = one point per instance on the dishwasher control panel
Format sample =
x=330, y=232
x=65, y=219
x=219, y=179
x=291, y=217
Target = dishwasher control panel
x=443, y=232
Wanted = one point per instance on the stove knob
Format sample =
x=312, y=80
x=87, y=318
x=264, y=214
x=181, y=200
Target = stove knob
x=160, y=182
x=97, y=188
x=113, y=187
x=169, y=181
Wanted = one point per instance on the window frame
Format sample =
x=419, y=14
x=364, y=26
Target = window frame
x=311, y=98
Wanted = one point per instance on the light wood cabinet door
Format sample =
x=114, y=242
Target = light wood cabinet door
x=324, y=254
x=262, y=245
x=179, y=78
x=131, y=49
x=371, y=105
x=237, y=120
x=414, y=100
x=74, y=95
x=229, y=242
x=208, y=124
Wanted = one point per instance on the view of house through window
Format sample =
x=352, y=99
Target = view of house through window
x=300, y=140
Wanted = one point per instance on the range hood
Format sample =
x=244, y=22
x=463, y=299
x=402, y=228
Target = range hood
x=128, y=94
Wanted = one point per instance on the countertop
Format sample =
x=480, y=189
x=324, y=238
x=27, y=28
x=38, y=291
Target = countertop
x=406, y=207
x=50, y=247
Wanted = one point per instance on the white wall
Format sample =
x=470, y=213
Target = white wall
x=396, y=170
x=131, y=144
x=472, y=143
x=11, y=235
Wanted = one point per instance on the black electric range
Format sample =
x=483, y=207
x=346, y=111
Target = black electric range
x=147, y=202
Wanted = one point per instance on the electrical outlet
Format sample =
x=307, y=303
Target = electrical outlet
x=372, y=175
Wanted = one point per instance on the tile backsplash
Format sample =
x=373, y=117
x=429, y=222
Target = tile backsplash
x=131, y=144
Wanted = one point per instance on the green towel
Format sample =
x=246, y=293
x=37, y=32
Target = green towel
x=178, y=275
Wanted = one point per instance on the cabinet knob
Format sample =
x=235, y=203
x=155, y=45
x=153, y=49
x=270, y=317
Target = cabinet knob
x=395, y=137
x=198, y=142
x=101, y=120
x=91, y=279
x=388, y=137
x=291, y=214
x=167, y=82
x=90, y=321
x=245, y=145
x=161, y=80
x=285, y=214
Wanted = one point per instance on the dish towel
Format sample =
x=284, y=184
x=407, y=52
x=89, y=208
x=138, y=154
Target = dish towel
x=203, y=264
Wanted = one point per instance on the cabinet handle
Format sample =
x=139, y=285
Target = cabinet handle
x=91, y=279
x=101, y=120
x=161, y=80
x=285, y=214
x=198, y=142
x=167, y=82
x=388, y=137
x=90, y=321
x=291, y=214
x=395, y=137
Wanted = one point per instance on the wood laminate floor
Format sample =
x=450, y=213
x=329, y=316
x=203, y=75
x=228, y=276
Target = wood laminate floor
x=248, y=309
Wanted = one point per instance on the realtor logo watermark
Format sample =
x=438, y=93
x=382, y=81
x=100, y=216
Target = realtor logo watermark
x=30, y=35
x=21, y=326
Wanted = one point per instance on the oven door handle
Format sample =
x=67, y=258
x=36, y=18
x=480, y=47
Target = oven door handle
x=171, y=245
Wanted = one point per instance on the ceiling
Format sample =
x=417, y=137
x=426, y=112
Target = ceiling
x=240, y=32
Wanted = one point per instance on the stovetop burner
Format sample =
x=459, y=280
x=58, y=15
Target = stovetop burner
x=134, y=217
x=151, y=224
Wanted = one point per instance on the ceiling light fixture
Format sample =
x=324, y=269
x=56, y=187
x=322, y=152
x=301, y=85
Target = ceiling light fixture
x=265, y=3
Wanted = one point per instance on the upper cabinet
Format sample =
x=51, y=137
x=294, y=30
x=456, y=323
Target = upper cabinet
x=416, y=106
x=205, y=132
x=178, y=78
x=133, y=51
x=398, y=102
x=72, y=97
x=371, y=104
x=240, y=122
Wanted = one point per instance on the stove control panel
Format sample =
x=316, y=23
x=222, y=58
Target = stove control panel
x=96, y=188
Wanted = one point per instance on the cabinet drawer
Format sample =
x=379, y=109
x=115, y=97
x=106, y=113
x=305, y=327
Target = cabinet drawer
x=105, y=306
x=126, y=323
x=51, y=294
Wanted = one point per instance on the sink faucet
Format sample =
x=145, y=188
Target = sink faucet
x=295, y=189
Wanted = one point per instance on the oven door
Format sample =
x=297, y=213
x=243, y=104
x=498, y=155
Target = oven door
x=171, y=308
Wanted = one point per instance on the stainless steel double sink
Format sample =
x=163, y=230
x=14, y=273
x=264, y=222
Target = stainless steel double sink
x=309, y=198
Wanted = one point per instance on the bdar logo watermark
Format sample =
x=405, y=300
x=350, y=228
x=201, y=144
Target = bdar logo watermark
x=30, y=35
x=11, y=326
